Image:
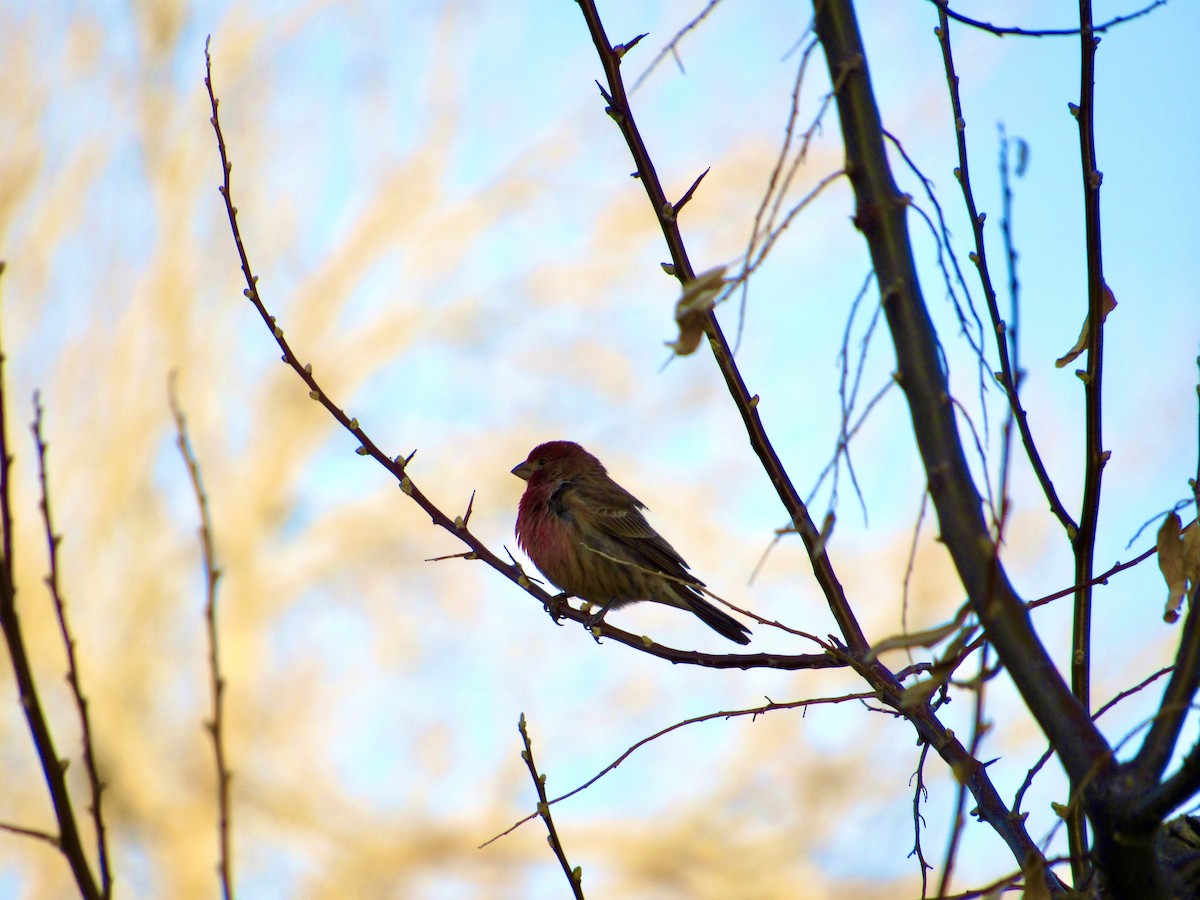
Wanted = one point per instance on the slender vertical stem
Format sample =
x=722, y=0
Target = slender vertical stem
x=216, y=724
x=1094, y=454
x=1009, y=368
x=76, y=683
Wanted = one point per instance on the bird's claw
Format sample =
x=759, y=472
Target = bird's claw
x=593, y=620
x=554, y=607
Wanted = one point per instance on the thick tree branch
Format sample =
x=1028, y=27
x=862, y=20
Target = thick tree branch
x=1151, y=762
x=880, y=216
x=991, y=807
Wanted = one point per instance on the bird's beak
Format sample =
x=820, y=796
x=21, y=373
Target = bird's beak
x=523, y=470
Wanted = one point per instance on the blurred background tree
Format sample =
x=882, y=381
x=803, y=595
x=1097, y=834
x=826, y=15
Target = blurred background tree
x=443, y=223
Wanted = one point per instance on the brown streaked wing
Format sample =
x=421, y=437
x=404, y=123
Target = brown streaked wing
x=618, y=513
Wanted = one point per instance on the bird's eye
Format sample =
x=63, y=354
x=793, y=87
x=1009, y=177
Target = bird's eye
x=541, y=461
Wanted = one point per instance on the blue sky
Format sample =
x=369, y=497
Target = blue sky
x=443, y=220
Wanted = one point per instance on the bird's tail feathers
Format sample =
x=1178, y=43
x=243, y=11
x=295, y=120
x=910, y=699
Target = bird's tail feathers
x=719, y=621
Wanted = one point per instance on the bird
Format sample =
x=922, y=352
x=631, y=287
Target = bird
x=588, y=536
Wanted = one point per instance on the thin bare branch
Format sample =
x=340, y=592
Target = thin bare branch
x=671, y=48
x=919, y=792
x=778, y=182
x=947, y=259
x=753, y=712
x=574, y=875
x=978, y=729
x=682, y=202
x=911, y=562
x=31, y=833
x=1045, y=757
x=1007, y=378
x=1003, y=30
x=216, y=725
x=1095, y=456
x=1099, y=579
x=53, y=541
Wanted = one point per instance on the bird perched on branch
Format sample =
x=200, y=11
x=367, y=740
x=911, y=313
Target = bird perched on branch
x=587, y=535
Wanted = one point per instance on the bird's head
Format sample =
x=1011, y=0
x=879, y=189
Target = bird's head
x=556, y=461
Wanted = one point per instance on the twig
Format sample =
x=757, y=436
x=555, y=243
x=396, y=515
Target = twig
x=1002, y=30
x=1045, y=757
x=682, y=201
x=53, y=768
x=1095, y=455
x=910, y=565
x=775, y=232
x=1010, y=252
x=1000, y=885
x=1099, y=579
x=846, y=401
x=1014, y=295
x=843, y=448
x=73, y=680
x=671, y=47
x=574, y=875
x=919, y=791
x=945, y=251
x=34, y=833
x=753, y=712
x=1008, y=380
x=216, y=725
x=978, y=729
x=777, y=189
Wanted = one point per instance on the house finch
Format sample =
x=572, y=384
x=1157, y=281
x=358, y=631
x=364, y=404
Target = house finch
x=587, y=535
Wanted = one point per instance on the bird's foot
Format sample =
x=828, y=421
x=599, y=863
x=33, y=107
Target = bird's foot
x=554, y=607
x=593, y=621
